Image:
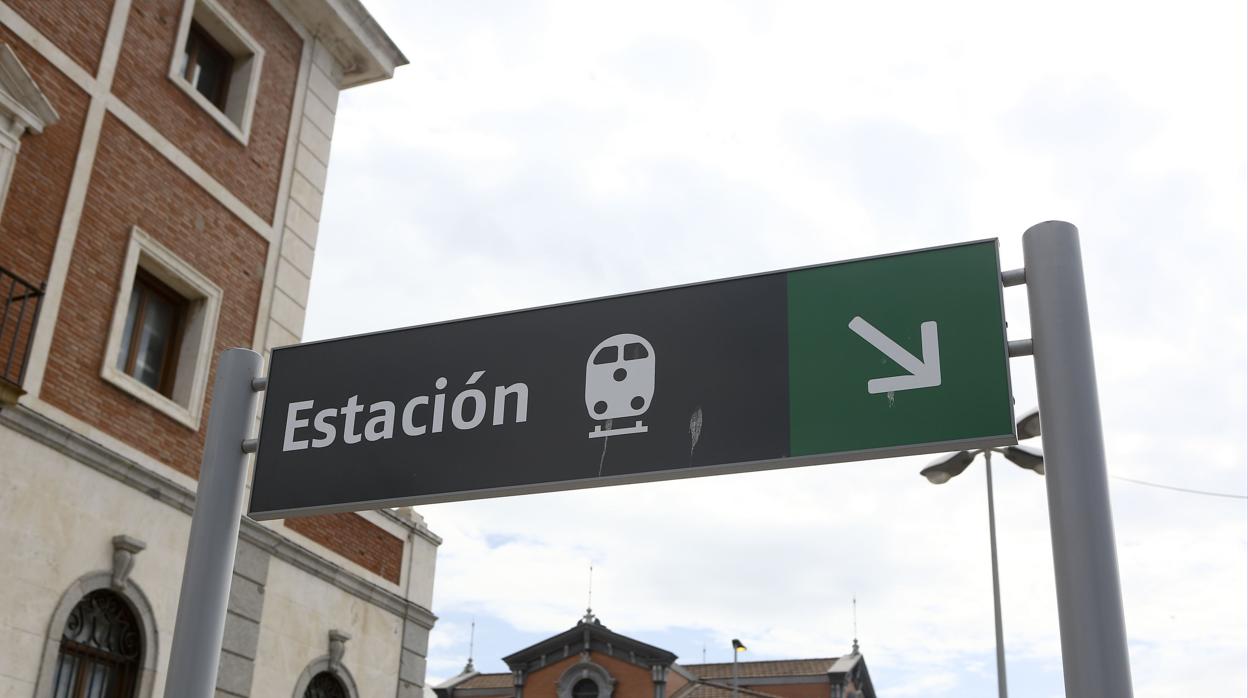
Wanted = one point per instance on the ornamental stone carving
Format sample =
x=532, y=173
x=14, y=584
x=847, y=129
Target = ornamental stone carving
x=337, y=647
x=124, y=550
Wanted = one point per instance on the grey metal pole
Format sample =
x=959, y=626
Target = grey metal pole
x=996, y=580
x=735, y=652
x=1085, y=559
x=205, y=593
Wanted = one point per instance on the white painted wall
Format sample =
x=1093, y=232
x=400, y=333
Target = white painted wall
x=57, y=520
x=299, y=612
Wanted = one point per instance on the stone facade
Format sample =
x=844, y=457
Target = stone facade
x=122, y=167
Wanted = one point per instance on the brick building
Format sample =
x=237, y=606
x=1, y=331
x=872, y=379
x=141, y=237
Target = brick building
x=162, y=166
x=591, y=661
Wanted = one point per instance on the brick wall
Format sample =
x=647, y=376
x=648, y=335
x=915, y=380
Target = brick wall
x=353, y=537
x=79, y=33
x=631, y=681
x=45, y=164
x=675, y=682
x=133, y=185
x=251, y=172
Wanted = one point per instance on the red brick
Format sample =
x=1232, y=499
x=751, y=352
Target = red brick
x=79, y=32
x=132, y=184
x=353, y=537
x=45, y=164
x=250, y=172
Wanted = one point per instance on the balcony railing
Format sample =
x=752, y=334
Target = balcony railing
x=18, y=315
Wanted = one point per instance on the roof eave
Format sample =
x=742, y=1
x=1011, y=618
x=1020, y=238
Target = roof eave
x=456, y=680
x=359, y=44
x=575, y=636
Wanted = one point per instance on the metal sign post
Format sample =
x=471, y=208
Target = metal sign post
x=1085, y=559
x=205, y=593
x=871, y=358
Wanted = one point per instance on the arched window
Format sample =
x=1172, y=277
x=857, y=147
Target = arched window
x=100, y=650
x=325, y=685
x=585, y=688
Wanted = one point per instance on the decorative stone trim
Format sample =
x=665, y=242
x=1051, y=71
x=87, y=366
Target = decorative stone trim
x=412, y=523
x=585, y=669
x=124, y=550
x=23, y=107
x=325, y=664
x=20, y=98
x=337, y=647
x=244, y=85
x=29, y=423
x=139, y=605
x=198, y=334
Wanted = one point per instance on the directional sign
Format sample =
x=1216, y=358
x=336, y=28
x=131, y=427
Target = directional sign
x=869, y=358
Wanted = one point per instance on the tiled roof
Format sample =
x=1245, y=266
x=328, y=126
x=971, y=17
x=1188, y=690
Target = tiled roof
x=487, y=681
x=754, y=670
x=704, y=689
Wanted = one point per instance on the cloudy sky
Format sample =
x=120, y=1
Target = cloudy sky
x=542, y=152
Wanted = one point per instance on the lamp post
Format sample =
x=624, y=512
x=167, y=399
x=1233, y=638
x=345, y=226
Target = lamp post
x=951, y=466
x=737, y=648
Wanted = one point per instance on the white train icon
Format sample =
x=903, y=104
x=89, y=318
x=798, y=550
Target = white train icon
x=619, y=382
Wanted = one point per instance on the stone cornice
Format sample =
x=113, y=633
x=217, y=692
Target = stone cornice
x=50, y=433
x=366, y=53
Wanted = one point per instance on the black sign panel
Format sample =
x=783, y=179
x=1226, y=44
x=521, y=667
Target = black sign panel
x=869, y=358
x=630, y=388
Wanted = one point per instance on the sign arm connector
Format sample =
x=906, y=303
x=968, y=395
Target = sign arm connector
x=1020, y=347
x=258, y=385
x=1014, y=277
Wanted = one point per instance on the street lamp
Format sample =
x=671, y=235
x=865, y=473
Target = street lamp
x=737, y=648
x=951, y=466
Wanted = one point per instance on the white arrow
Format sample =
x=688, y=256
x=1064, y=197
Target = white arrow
x=923, y=374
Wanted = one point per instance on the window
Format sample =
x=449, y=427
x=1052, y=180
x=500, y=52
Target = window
x=207, y=66
x=585, y=679
x=585, y=688
x=100, y=649
x=325, y=685
x=164, y=326
x=217, y=64
x=149, y=344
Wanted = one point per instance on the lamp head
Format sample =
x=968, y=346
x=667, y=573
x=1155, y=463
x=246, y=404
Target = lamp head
x=1025, y=457
x=737, y=646
x=947, y=467
x=1029, y=425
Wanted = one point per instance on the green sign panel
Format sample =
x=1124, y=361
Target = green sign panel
x=899, y=351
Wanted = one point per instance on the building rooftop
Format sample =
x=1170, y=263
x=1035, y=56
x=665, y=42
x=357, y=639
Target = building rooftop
x=764, y=669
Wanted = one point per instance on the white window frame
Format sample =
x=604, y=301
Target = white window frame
x=240, y=102
x=199, y=329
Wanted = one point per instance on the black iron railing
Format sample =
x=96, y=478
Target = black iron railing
x=21, y=301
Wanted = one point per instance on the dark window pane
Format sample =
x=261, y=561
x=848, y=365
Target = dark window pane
x=127, y=337
x=635, y=350
x=152, y=331
x=66, y=670
x=325, y=685
x=607, y=355
x=207, y=66
x=155, y=338
x=585, y=688
x=100, y=650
